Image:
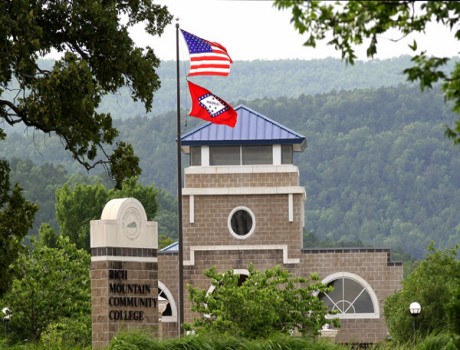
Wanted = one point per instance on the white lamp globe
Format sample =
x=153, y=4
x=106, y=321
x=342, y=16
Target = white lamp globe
x=415, y=308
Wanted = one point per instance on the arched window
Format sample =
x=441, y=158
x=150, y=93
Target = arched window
x=243, y=274
x=351, y=298
x=170, y=313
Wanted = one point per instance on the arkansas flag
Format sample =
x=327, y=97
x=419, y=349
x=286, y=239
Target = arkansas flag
x=206, y=57
x=207, y=106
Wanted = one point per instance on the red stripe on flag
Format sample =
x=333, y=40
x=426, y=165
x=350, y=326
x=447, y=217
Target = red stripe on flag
x=209, y=65
x=209, y=58
x=191, y=74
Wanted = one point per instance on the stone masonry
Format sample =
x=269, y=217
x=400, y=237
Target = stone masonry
x=277, y=240
x=124, y=271
x=246, y=213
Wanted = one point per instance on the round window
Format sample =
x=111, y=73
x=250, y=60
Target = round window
x=241, y=222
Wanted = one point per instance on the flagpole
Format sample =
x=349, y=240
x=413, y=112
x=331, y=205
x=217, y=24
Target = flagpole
x=179, y=194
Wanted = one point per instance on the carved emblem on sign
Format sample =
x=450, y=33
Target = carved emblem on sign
x=132, y=224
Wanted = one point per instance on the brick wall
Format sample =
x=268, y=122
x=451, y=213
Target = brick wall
x=168, y=274
x=241, y=180
x=223, y=261
x=140, y=273
x=208, y=243
x=272, y=225
x=373, y=265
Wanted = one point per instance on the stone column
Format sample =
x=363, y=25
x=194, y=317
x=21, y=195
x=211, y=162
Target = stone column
x=124, y=271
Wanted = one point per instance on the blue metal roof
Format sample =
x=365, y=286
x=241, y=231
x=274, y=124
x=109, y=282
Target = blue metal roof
x=252, y=128
x=173, y=247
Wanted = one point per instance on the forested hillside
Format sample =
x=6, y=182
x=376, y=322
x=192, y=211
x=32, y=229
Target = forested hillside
x=259, y=79
x=272, y=79
x=377, y=168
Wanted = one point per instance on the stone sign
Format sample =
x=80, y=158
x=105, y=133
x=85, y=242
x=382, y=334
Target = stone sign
x=124, y=271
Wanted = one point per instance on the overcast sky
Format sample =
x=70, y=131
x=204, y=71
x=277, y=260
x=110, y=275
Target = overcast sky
x=256, y=30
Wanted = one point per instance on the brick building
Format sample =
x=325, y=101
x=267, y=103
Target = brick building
x=242, y=204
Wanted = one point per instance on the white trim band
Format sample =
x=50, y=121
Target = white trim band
x=124, y=258
x=283, y=247
x=241, y=169
x=234, y=191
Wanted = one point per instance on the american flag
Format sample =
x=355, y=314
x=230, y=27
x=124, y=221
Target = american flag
x=206, y=57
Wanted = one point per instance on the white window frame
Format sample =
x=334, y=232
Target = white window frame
x=366, y=286
x=229, y=223
x=172, y=303
x=235, y=272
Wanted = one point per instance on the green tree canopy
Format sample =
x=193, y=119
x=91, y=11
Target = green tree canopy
x=77, y=205
x=263, y=303
x=352, y=22
x=39, y=183
x=16, y=218
x=98, y=58
x=434, y=284
x=51, y=285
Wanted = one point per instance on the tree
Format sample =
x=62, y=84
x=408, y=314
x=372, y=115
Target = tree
x=40, y=183
x=145, y=194
x=48, y=235
x=260, y=305
x=52, y=286
x=167, y=214
x=76, y=206
x=16, y=218
x=98, y=59
x=434, y=284
x=351, y=22
x=164, y=241
x=453, y=311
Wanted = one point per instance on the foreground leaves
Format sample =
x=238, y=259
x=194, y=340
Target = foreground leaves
x=52, y=285
x=347, y=25
x=434, y=284
x=98, y=58
x=16, y=218
x=260, y=304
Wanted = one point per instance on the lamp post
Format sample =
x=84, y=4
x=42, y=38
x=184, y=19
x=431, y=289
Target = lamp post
x=7, y=312
x=6, y=319
x=415, y=309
